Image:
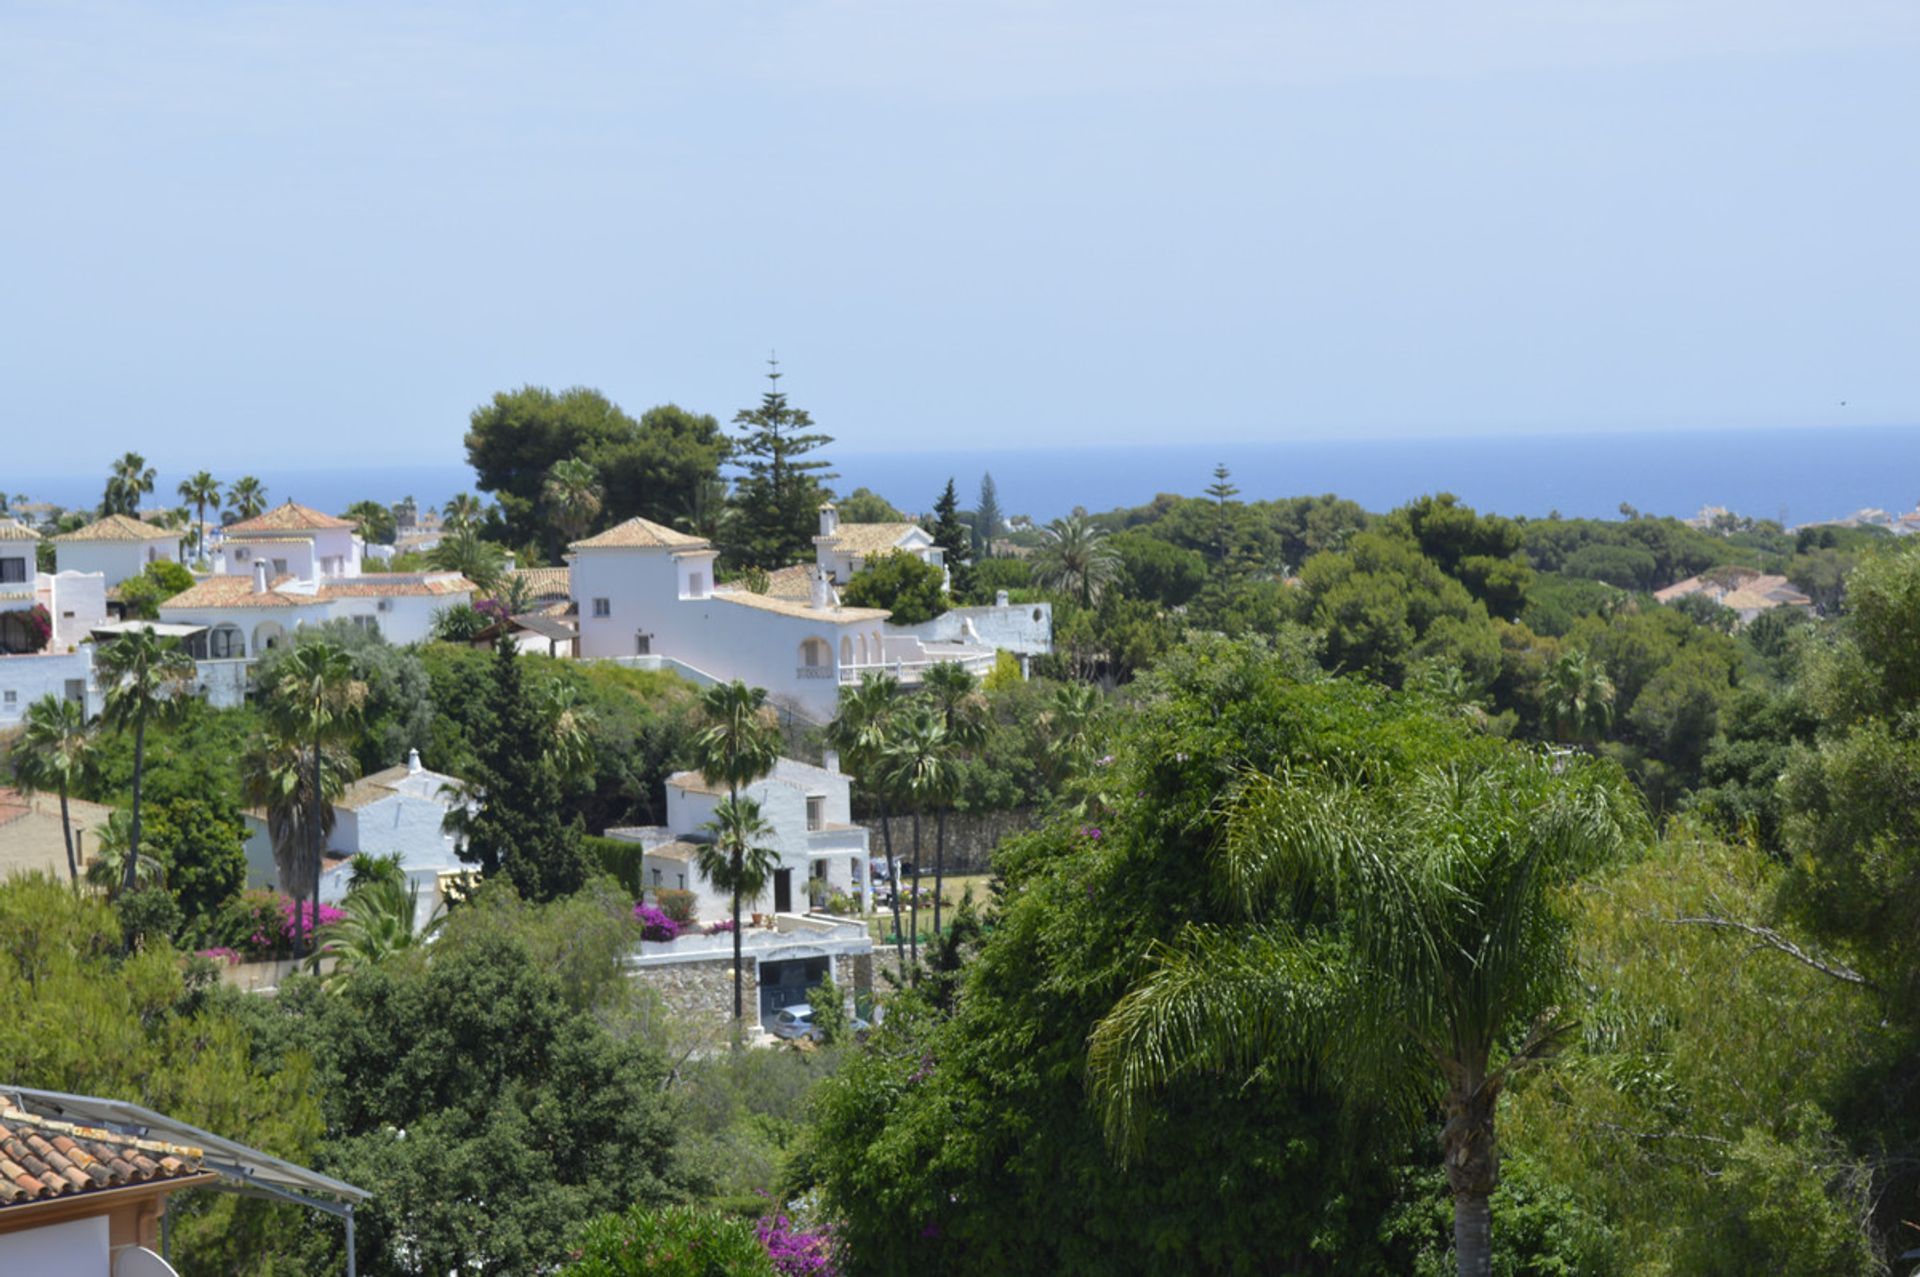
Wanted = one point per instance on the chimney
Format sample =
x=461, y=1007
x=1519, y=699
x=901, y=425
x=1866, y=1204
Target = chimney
x=829, y=519
x=413, y=762
x=509, y=561
x=999, y=598
x=830, y=759
x=260, y=578
x=822, y=592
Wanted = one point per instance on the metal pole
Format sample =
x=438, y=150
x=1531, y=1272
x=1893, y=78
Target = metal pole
x=353, y=1268
x=166, y=1230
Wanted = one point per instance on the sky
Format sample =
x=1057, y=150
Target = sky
x=281, y=234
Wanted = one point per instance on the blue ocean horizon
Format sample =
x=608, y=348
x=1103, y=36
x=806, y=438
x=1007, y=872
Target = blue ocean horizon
x=1795, y=476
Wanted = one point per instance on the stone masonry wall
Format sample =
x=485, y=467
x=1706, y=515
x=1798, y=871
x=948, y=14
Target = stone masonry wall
x=698, y=990
x=971, y=837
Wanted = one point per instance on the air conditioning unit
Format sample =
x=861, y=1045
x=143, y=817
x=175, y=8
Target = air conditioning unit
x=385, y=605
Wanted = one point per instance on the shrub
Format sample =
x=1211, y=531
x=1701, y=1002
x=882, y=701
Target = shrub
x=39, y=627
x=796, y=1251
x=720, y=928
x=676, y=904
x=674, y=1241
x=150, y=913
x=655, y=924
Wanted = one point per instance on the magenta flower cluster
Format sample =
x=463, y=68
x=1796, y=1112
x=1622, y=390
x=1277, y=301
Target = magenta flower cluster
x=654, y=923
x=221, y=954
x=720, y=928
x=307, y=922
x=1091, y=831
x=796, y=1251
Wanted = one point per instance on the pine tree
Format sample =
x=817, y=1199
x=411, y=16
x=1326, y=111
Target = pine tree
x=1221, y=490
x=986, y=518
x=519, y=831
x=778, y=499
x=951, y=534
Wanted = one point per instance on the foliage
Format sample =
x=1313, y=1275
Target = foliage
x=777, y=499
x=1380, y=605
x=652, y=467
x=1156, y=570
x=573, y=497
x=246, y=499
x=159, y=581
x=373, y=522
x=514, y=1094
x=990, y=576
x=55, y=752
x=947, y=1144
x=677, y=904
x=461, y=623
x=130, y=479
x=518, y=831
x=655, y=925
x=829, y=1007
x=201, y=851
x=397, y=710
x=1076, y=559
x=147, y=679
x=1479, y=551
x=953, y=533
x=864, y=505
x=462, y=550
x=900, y=582
x=670, y=1241
x=376, y=924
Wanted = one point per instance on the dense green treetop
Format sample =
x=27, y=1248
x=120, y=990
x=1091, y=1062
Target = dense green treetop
x=913, y=590
x=777, y=500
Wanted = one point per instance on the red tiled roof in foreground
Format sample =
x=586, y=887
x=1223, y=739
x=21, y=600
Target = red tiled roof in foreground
x=41, y=1159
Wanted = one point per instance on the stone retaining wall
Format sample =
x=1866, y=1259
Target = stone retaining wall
x=971, y=837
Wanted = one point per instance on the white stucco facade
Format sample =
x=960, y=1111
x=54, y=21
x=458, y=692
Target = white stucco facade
x=117, y=561
x=809, y=810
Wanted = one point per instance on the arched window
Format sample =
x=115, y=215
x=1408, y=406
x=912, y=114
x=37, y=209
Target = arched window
x=226, y=643
x=846, y=650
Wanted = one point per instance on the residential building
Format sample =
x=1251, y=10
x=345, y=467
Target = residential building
x=117, y=547
x=844, y=549
x=400, y=811
x=293, y=540
x=1744, y=590
x=36, y=661
x=646, y=594
x=33, y=840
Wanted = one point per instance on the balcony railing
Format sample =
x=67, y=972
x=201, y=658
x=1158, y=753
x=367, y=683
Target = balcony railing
x=910, y=671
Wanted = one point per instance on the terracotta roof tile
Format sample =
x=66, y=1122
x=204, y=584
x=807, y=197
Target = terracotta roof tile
x=545, y=583
x=41, y=1158
x=14, y=530
x=795, y=582
x=388, y=585
x=118, y=527
x=638, y=533
x=291, y=517
x=868, y=539
x=234, y=591
x=800, y=608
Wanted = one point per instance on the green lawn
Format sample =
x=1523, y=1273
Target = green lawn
x=881, y=924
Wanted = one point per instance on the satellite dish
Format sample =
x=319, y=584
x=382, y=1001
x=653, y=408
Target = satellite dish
x=141, y=1262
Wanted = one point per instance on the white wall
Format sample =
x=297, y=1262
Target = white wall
x=783, y=805
x=116, y=560
x=1026, y=629
x=243, y=552
x=25, y=679
x=75, y=602
x=76, y=1248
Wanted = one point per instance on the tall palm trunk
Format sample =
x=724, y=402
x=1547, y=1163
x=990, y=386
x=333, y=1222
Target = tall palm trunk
x=66, y=827
x=939, y=866
x=1472, y=1161
x=893, y=889
x=914, y=937
x=310, y=878
x=129, y=876
x=739, y=1017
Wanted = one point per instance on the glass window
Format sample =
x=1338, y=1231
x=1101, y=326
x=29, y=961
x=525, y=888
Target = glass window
x=13, y=570
x=816, y=811
x=602, y=607
x=226, y=643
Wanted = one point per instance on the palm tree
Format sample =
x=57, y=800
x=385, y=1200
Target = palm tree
x=861, y=731
x=570, y=721
x=1433, y=970
x=130, y=479
x=460, y=511
x=955, y=693
x=378, y=924
x=148, y=680
x=919, y=769
x=738, y=746
x=246, y=499
x=112, y=871
x=53, y=753
x=1579, y=698
x=573, y=493
x=462, y=551
x=200, y=490
x=1076, y=559
x=739, y=862
x=373, y=521
x=704, y=510
x=276, y=775
x=313, y=698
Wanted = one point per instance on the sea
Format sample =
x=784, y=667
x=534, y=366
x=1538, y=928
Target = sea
x=1794, y=476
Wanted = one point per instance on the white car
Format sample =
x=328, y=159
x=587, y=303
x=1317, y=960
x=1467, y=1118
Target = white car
x=795, y=1022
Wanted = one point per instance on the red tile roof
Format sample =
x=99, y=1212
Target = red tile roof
x=290, y=517
x=118, y=527
x=41, y=1159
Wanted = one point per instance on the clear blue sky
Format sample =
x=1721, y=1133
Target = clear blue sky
x=253, y=233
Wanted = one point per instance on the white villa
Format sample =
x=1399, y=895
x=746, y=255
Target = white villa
x=401, y=809
x=293, y=567
x=646, y=591
x=117, y=547
x=841, y=550
x=811, y=813
x=74, y=603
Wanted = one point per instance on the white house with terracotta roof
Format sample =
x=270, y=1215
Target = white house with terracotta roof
x=1746, y=591
x=60, y=664
x=117, y=547
x=844, y=549
x=646, y=593
x=293, y=540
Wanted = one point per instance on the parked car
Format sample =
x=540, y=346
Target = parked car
x=795, y=1022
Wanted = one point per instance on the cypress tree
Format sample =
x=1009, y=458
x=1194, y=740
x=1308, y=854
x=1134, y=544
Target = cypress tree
x=520, y=830
x=951, y=534
x=986, y=518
